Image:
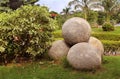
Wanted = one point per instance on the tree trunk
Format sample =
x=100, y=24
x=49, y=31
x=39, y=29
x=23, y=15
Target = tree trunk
x=85, y=12
x=108, y=17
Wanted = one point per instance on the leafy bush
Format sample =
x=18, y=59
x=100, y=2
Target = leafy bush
x=108, y=27
x=60, y=19
x=57, y=34
x=116, y=17
x=26, y=32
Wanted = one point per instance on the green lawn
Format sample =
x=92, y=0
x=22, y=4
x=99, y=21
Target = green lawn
x=109, y=70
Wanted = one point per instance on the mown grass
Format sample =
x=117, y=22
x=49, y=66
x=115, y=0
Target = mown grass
x=110, y=69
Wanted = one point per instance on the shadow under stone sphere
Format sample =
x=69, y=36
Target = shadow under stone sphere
x=76, y=30
x=97, y=44
x=58, y=50
x=83, y=56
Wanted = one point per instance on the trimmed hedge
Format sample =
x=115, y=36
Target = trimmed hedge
x=104, y=36
x=111, y=45
x=100, y=36
x=110, y=41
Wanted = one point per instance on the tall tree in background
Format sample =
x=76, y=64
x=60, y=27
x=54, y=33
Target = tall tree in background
x=14, y=4
x=110, y=7
x=84, y=5
x=66, y=11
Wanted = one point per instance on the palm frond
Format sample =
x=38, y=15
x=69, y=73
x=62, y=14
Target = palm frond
x=74, y=2
x=66, y=10
x=78, y=6
x=94, y=4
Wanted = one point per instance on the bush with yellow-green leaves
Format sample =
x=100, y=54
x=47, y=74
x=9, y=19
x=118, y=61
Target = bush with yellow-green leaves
x=25, y=32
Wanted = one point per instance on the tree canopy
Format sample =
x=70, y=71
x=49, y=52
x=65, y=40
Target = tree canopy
x=84, y=5
x=6, y=5
x=110, y=7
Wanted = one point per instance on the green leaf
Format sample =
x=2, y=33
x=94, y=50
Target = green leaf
x=2, y=49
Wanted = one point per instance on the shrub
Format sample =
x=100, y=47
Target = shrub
x=57, y=34
x=108, y=27
x=26, y=31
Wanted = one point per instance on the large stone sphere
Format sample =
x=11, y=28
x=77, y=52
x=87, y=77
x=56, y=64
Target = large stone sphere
x=76, y=30
x=58, y=50
x=97, y=44
x=83, y=56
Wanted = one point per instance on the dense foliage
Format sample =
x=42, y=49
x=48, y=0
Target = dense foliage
x=108, y=27
x=101, y=18
x=92, y=18
x=7, y=5
x=84, y=6
x=111, y=7
x=25, y=32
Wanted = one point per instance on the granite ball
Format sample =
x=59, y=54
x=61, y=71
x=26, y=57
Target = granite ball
x=97, y=44
x=83, y=56
x=58, y=50
x=76, y=30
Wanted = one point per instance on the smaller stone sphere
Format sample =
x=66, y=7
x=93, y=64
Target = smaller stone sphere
x=58, y=50
x=83, y=56
x=76, y=30
x=97, y=44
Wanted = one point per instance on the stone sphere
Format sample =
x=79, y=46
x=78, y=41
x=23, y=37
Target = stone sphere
x=83, y=56
x=58, y=50
x=76, y=30
x=97, y=44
